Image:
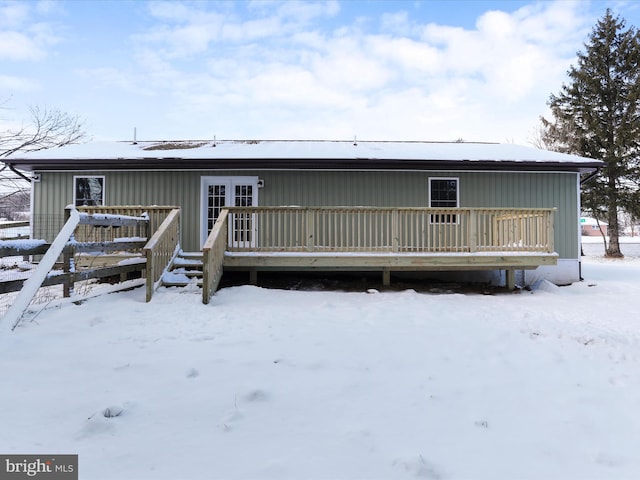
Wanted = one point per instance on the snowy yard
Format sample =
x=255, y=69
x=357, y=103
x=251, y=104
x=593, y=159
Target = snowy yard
x=277, y=384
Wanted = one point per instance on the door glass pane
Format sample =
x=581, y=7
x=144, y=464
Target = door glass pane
x=215, y=203
x=243, y=225
x=244, y=196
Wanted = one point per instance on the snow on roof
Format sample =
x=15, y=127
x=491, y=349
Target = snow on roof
x=301, y=149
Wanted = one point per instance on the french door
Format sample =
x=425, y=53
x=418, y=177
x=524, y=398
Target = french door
x=220, y=192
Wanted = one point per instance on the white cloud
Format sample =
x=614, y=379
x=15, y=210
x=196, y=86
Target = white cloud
x=448, y=82
x=13, y=14
x=12, y=83
x=303, y=12
x=277, y=69
x=22, y=36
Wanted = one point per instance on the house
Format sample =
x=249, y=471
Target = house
x=483, y=210
x=590, y=227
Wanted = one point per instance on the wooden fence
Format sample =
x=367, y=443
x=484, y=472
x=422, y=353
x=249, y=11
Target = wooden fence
x=65, y=245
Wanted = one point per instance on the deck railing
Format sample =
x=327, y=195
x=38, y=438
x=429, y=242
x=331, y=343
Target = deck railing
x=161, y=249
x=156, y=215
x=401, y=230
x=213, y=256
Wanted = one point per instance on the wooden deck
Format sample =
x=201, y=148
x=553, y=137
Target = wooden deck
x=377, y=239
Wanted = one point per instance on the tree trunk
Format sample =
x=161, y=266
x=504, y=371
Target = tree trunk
x=613, y=249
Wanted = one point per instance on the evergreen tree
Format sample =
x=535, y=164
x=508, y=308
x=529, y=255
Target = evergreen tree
x=597, y=115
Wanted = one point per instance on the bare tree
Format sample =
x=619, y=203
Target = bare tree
x=47, y=129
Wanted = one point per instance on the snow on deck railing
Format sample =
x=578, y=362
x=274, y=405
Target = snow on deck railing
x=395, y=230
x=135, y=221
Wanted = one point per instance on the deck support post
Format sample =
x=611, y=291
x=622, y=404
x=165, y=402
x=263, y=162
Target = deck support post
x=386, y=277
x=253, y=277
x=510, y=278
x=67, y=263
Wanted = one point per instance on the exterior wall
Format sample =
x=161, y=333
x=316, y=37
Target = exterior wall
x=320, y=188
x=594, y=230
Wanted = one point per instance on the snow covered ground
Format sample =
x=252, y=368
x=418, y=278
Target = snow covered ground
x=280, y=384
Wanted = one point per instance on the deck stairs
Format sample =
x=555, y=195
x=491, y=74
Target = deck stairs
x=186, y=269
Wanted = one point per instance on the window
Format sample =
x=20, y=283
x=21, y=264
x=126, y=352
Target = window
x=443, y=193
x=88, y=191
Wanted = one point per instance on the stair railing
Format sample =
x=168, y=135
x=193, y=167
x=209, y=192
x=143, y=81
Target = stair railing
x=161, y=250
x=213, y=256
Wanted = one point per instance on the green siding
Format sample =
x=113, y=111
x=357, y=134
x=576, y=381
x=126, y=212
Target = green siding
x=320, y=188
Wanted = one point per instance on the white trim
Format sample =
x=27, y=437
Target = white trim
x=579, y=213
x=32, y=209
x=457, y=179
x=230, y=182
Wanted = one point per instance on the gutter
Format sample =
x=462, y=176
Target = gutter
x=298, y=164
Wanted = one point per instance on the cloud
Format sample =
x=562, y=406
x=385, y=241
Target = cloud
x=191, y=29
x=13, y=14
x=22, y=36
x=300, y=69
x=10, y=83
x=403, y=80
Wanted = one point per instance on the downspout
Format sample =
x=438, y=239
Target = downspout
x=582, y=181
x=20, y=174
x=588, y=177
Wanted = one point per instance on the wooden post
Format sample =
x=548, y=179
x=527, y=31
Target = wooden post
x=67, y=262
x=511, y=278
x=550, y=232
x=395, y=233
x=253, y=276
x=386, y=277
x=473, y=231
x=310, y=230
x=150, y=275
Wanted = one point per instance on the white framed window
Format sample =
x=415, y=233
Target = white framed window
x=444, y=193
x=88, y=190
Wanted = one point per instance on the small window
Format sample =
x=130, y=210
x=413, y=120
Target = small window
x=88, y=191
x=443, y=193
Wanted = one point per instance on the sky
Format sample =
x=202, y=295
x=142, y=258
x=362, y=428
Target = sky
x=375, y=70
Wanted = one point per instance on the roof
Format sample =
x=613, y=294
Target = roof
x=298, y=154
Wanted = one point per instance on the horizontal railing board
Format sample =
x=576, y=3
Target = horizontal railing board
x=61, y=278
x=409, y=262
